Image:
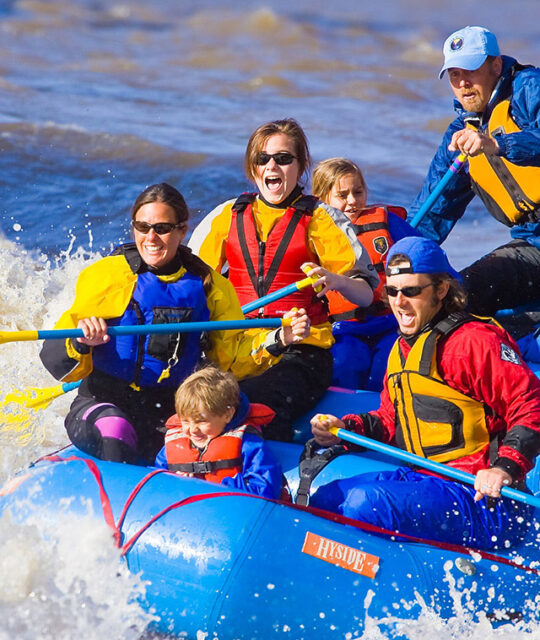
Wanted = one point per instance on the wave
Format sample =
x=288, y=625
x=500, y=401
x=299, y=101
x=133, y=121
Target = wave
x=31, y=138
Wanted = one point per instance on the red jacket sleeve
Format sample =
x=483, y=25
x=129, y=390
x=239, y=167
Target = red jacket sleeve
x=483, y=361
x=379, y=424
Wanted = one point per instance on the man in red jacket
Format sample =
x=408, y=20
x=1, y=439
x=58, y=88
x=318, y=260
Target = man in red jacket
x=456, y=391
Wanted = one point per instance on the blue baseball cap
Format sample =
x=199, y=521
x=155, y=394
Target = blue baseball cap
x=468, y=49
x=425, y=256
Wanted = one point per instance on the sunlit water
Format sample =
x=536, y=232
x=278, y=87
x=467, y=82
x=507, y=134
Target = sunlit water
x=99, y=99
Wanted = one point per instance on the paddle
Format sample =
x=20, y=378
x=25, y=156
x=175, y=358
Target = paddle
x=451, y=172
x=437, y=467
x=280, y=293
x=146, y=329
x=20, y=420
x=34, y=398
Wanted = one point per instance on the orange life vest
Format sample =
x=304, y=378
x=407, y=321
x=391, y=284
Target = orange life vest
x=257, y=268
x=222, y=456
x=371, y=228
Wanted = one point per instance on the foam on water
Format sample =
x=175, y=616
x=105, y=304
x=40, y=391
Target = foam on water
x=34, y=293
x=71, y=584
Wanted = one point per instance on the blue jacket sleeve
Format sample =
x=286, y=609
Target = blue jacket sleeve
x=261, y=473
x=400, y=228
x=451, y=204
x=161, y=459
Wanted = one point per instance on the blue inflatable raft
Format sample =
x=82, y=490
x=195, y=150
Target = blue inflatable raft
x=233, y=565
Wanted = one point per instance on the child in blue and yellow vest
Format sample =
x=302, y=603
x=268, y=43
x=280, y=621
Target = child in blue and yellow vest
x=215, y=435
x=363, y=335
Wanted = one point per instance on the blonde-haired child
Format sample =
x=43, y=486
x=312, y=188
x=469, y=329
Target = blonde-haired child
x=364, y=335
x=215, y=435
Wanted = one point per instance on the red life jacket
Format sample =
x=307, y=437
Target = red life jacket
x=257, y=268
x=371, y=228
x=222, y=456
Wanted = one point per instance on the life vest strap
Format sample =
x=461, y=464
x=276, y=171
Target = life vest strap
x=312, y=462
x=201, y=467
x=442, y=328
x=302, y=207
x=370, y=226
x=524, y=204
x=359, y=313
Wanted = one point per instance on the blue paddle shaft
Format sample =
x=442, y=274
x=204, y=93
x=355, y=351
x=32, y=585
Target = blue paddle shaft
x=271, y=297
x=451, y=172
x=437, y=467
x=173, y=327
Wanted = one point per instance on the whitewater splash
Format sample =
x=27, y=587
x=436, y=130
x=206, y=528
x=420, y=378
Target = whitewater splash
x=65, y=580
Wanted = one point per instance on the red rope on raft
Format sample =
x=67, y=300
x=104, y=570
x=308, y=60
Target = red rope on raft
x=327, y=515
x=202, y=496
x=104, y=498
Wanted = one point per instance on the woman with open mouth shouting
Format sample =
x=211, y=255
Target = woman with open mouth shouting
x=266, y=240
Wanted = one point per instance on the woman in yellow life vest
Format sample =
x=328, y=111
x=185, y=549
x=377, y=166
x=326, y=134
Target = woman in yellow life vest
x=264, y=239
x=363, y=335
x=128, y=385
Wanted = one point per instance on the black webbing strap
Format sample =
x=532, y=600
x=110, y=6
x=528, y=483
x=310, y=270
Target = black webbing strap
x=442, y=328
x=280, y=251
x=205, y=466
x=303, y=206
x=312, y=462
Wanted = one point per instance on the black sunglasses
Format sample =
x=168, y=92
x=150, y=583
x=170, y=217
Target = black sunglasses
x=161, y=228
x=408, y=292
x=281, y=158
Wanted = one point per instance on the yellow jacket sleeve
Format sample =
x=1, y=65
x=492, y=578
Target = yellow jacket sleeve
x=104, y=290
x=209, y=239
x=240, y=351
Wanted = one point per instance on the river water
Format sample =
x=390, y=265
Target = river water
x=99, y=99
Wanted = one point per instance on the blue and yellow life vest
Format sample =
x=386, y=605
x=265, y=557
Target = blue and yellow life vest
x=141, y=360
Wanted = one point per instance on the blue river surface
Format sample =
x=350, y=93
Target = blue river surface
x=99, y=99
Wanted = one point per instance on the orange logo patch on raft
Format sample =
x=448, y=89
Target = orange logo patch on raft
x=341, y=555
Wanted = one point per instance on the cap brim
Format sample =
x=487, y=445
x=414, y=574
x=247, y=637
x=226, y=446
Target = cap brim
x=469, y=63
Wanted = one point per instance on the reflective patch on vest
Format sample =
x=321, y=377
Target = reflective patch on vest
x=380, y=245
x=340, y=555
x=509, y=355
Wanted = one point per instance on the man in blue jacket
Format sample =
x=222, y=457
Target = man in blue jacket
x=498, y=126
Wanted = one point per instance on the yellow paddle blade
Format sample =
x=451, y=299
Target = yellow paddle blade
x=18, y=336
x=33, y=398
x=17, y=411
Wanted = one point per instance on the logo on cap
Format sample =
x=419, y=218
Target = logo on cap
x=456, y=44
